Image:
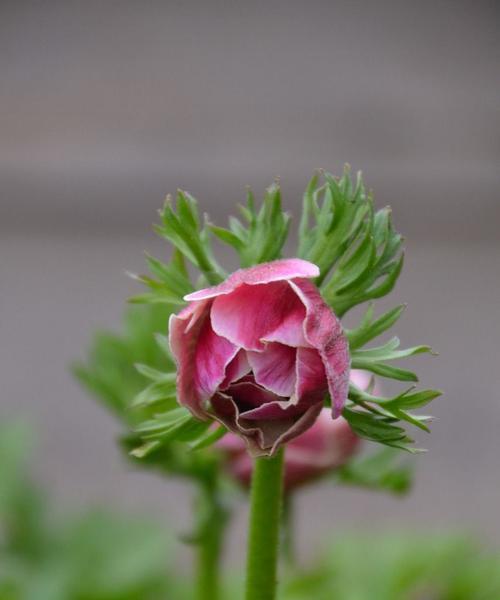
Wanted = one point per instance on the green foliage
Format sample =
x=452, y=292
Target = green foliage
x=383, y=470
x=357, y=249
x=400, y=567
x=266, y=231
x=133, y=375
x=373, y=417
x=110, y=373
x=102, y=555
x=98, y=555
x=171, y=283
x=183, y=229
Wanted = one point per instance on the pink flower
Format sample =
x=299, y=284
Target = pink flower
x=259, y=352
x=325, y=446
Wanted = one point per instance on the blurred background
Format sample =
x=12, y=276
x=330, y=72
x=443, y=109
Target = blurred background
x=107, y=106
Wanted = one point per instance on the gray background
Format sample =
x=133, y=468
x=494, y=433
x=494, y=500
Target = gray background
x=106, y=106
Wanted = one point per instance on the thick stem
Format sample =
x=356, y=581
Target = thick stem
x=264, y=527
x=213, y=518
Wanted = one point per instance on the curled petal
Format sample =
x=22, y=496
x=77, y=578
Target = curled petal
x=262, y=437
x=274, y=368
x=236, y=369
x=278, y=270
x=248, y=395
x=325, y=446
x=253, y=313
x=323, y=331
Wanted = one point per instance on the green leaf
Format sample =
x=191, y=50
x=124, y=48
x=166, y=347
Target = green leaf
x=265, y=233
x=378, y=428
x=384, y=370
x=382, y=470
x=357, y=250
x=159, y=392
x=208, y=438
x=109, y=372
x=395, y=408
x=373, y=359
x=368, y=329
x=170, y=287
x=183, y=230
x=155, y=374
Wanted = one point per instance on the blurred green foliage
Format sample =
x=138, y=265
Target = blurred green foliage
x=99, y=555
x=400, y=567
x=102, y=555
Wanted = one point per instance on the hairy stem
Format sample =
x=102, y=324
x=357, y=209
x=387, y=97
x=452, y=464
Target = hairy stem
x=264, y=528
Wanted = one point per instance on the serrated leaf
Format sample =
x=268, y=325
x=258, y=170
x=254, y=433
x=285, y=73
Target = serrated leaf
x=263, y=238
x=368, y=330
x=378, y=429
x=155, y=374
x=227, y=237
x=208, y=439
x=388, y=352
x=183, y=230
x=384, y=370
x=382, y=470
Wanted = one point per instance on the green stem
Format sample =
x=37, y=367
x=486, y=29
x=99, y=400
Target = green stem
x=263, y=534
x=213, y=518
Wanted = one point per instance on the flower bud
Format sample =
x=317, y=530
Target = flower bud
x=325, y=446
x=259, y=352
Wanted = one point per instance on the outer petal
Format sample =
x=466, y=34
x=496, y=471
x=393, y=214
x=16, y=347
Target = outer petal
x=323, y=331
x=201, y=355
x=278, y=270
x=274, y=368
x=253, y=313
x=262, y=437
x=311, y=376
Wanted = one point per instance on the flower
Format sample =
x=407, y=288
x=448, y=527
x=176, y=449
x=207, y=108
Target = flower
x=325, y=446
x=259, y=352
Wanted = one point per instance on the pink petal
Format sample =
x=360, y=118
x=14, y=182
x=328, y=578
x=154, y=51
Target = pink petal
x=201, y=356
x=324, y=332
x=325, y=446
x=236, y=369
x=278, y=270
x=253, y=313
x=274, y=368
x=231, y=444
x=277, y=409
x=249, y=395
x=311, y=376
x=264, y=437
x=362, y=380
x=212, y=355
